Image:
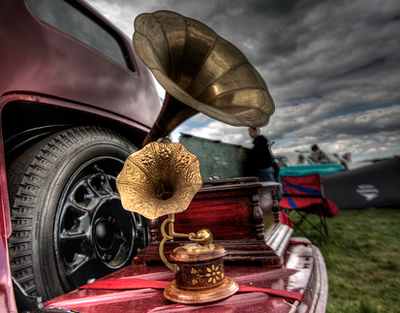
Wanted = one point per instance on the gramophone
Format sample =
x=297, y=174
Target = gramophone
x=160, y=179
x=201, y=72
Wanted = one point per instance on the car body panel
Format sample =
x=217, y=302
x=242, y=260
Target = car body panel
x=7, y=299
x=50, y=62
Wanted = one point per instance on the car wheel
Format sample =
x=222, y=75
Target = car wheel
x=69, y=227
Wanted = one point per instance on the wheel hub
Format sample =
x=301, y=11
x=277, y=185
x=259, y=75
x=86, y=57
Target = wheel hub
x=112, y=233
x=104, y=234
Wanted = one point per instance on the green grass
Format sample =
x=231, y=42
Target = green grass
x=362, y=255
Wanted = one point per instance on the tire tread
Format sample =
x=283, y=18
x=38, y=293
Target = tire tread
x=33, y=166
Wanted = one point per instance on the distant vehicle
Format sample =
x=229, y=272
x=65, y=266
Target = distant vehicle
x=345, y=163
x=297, y=158
x=291, y=159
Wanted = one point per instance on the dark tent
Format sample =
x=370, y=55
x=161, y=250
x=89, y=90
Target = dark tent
x=376, y=185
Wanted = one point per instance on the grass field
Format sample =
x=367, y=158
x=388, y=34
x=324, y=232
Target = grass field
x=362, y=255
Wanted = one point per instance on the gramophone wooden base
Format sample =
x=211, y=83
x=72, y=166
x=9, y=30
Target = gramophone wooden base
x=268, y=252
x=174, y=294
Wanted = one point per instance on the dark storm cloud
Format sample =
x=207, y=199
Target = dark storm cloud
x=332, y=67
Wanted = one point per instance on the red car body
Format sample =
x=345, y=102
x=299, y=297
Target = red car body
x=50, y=78
x=52, y=81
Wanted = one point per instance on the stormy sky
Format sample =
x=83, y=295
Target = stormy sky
x=332, y=68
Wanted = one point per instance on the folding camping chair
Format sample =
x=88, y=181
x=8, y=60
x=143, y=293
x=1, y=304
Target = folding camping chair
x=305, y=195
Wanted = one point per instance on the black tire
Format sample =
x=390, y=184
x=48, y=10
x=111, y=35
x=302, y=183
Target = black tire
x=69, y=227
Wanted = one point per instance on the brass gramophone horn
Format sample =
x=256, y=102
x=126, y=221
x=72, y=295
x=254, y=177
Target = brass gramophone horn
x=201, y=72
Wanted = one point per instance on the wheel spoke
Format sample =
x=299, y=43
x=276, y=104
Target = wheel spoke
x=76, y=208
x=77, y=263
x=75, y=223
x=101, y=185
x=83, y=197
x=72, y=235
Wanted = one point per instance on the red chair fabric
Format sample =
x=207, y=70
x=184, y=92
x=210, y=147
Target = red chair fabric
x=285, y=219
x=305, y=195
x=305, y=192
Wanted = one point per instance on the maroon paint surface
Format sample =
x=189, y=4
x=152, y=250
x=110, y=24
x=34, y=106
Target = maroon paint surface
x=304, y=272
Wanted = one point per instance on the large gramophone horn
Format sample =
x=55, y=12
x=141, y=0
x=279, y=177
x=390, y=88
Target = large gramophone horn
x=201, y=72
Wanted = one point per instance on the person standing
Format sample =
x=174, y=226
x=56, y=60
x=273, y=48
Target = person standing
x=260, y=159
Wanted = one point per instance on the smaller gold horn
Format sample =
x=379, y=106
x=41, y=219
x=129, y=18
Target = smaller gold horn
x=201, y=72
x=159, y=179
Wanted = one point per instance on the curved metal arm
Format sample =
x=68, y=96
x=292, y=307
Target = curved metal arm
x=172, y=267
x=170, y=220
x=204, y=236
